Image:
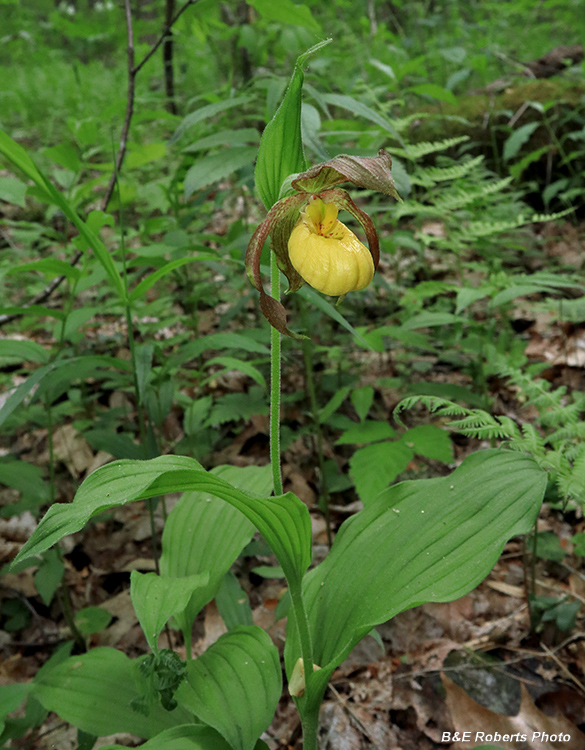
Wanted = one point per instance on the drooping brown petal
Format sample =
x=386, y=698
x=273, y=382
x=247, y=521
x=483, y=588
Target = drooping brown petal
x=285, y=211
x=278, y=224
x=275, y=314
x=342, y=200
x=371, y=172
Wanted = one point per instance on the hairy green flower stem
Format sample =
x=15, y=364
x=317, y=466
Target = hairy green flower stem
x=275, y=367
x=310, y=720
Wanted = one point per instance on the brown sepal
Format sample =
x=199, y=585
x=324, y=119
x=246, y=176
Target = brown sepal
x=371, y=172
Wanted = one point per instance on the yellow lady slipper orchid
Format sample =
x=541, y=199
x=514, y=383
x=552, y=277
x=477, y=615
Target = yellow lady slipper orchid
x=309, y=242
x=327, y=254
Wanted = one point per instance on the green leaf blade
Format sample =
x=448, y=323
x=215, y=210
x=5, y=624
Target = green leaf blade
x=235, y=685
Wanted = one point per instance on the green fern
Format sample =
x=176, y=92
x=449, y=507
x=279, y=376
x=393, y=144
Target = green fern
x=415, y=151
x=430, y=176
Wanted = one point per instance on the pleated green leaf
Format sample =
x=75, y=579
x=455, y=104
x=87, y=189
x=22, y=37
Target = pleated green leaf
x=235, y=685
x=281, y=147
x=157, y=598
x=420, y=541
x=94, y=692
x=284, y=521
x=187, y=737
x=203, y=535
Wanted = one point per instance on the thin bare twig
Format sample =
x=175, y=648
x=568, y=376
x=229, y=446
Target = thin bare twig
x=133, y=71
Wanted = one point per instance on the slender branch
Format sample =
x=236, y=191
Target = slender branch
x=133, y=71
x=161, y=38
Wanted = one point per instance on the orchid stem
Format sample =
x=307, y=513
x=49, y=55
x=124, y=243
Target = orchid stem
x=275, y=385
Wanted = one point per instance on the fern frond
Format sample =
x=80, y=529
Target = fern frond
x=572, y=483
x=432, y=403
x=429, y=176
x=457, y=199
x=415, y=151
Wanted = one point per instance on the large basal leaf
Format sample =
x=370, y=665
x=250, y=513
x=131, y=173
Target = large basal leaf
x=421, y=541
x=235, y=686
x=281, y=149
x=204, y=535
x=284, y=521
x=187, y=737
x=157, y=598
x=94, y=692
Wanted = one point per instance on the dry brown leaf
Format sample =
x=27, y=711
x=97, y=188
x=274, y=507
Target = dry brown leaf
x=71, y=448
x=530, y=729
x=506, y=588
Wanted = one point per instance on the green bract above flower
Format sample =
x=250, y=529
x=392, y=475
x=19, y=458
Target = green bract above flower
x=310, y=244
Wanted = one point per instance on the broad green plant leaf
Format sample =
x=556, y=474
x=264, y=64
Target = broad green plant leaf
x=366, y=432
x=421, y=541
x=359, y=108
x=216, y=167
x=235, y=685
x=50, y=266
x=285, y=11
x=94, y=692
x=11, y=696
x=90, y=620
x=232, y=363
x=157, y=598
x=187, y=737
x=284, y=520
x=233, y=603
x=19, y=157
x=209, y=110
x=204, y=536
x=374, y=467
x=281, y=149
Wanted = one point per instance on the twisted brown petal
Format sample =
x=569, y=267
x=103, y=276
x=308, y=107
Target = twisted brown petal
x=371, y=172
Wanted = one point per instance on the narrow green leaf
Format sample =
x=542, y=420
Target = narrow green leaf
x=216, y=167
x=157, y=598
x=232, y=363
x=332, y=311
x=518, y=138
x=50, y=266
x=94, y=691
x=25, y=351
x=141, y=288
x=19, y=157
x=235, y=685
x=423, y=540
x=435, y=92
x=209, y=110
x=284, y=520
x=281, y=149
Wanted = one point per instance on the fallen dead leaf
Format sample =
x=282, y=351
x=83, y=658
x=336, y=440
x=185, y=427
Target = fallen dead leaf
x=507, y=589
x=72, y=449
x=527, y=730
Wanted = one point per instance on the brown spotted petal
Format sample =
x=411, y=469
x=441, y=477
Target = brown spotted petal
x=342, y=200
x=370, y=172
